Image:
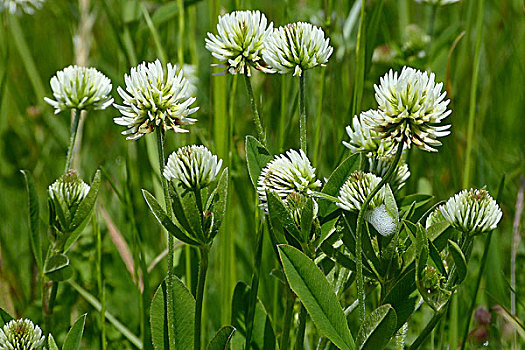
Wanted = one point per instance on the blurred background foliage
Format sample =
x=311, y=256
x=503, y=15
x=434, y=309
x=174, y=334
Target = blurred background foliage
x=117, y=36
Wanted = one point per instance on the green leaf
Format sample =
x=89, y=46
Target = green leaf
x=307, y=218
x=193, y=214
x=4, y=317
x=459, y=261
x=218, y=204
x=221, y=339
x=419, y=199
x=34, y=218
x=183, y=312
x=178, y=209
x=421, y=250
x=399, y=296
x=336, y=180
x=317, y=296
x=377, y=329
x=51, y=342
x=279, y=214
x=263, y=336
x=57, y=267
x=86, y=206
x=164, y=220
x=391, y=206
x=257, y=156
x=74, y=336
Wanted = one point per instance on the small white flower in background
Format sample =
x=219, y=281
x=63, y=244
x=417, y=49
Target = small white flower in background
x=80, y=88
x=287, y=173
x=364, y=138
x=472, y=211
x=438, y=2
x=240, y=39
x=19, y=6
x=357, y=187
x=411, y=105
x=380, y=166
x=190, y=73
x=21, y=334
x=154, y=99
x=195, y=167
x=69, y=190
x=296, y=47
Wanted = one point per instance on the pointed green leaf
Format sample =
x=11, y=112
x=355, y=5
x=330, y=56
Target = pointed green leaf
x=307, y=218
x=86, y=206
x=164, y=220
x=74, y=336
x=399, y=295
x=336, y=180
x=377, y=329
x=4, y=317
x=459, y=261
x=57, y=267
x=421, y=249
x=317, y=296
x=178, y=208
x=218, y=205
x=278, y=213
x=51, y=342
x=34, y=218
x=221, y=339
x=257, y=156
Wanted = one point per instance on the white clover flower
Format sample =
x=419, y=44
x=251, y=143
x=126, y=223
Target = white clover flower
x=296, y=47
x=287, y=173
x=154, y=99
x=295, y=203
x=434, y=217
x=194, y=167
x=357, y=187
x=363, y=138
x=240, y=39
x=438, y=2
x=380, y=166
x=19, y=6
x=472, y=211
x=411, y=105
x=21, y=334
x=68, y=191
x=80, y=88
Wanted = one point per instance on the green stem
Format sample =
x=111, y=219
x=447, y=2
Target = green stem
x=180, y=49
x=473, y=95
x=287, y=320
x=204, y=250
x=256, y=117
x=359, y=230
x=429, y=327
x=302, y=110
x=74, y=129
x=432, y=20
x=282, y=119
x=169, y=211
x=359, y=61
x=254, y=287
x=299, y=340
x=317, y=139
x=48, y=301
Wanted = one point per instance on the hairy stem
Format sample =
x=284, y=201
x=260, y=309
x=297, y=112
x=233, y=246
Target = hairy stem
x=204, y=250
x=74, y=129
x=256, y=117
x=302, y=111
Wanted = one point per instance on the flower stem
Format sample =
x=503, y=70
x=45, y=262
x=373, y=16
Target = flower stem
x=317, y=139
x=256, y=118
x=299, y=340
x=204, y=250
x=74, y=129
x=302, y=110
x=359, y=231
x=169, y=211
x=254, y=287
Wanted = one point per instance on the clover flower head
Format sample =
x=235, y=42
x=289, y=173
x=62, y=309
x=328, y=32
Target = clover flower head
x=77, y=87
x=21, y=334
x=288, y=173
x=68, y=191
x=194, y=167
x=296, y=47
x=415, y=40
x=240, y=40
x=438, y=2
x=154, y=98
x=434, y=217
x=472, y=211
x=19, y=6
x=363, y=138
x=295, y=203
x=380, y=166
x=357, y=187
x=411, y=106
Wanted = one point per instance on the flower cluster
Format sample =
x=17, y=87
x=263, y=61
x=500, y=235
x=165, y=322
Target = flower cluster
x=80, y=88
x=286, y=174
x=154, y=99
x=240, y=40
x=438, y=2
x=365, y=139
x=356, y=189
x=18, y=6
x=21, y=335
x=472, y=211
x=411, y=106
x=68, y=191
x=297, y=47
x=380, y=166
x=194, y=167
